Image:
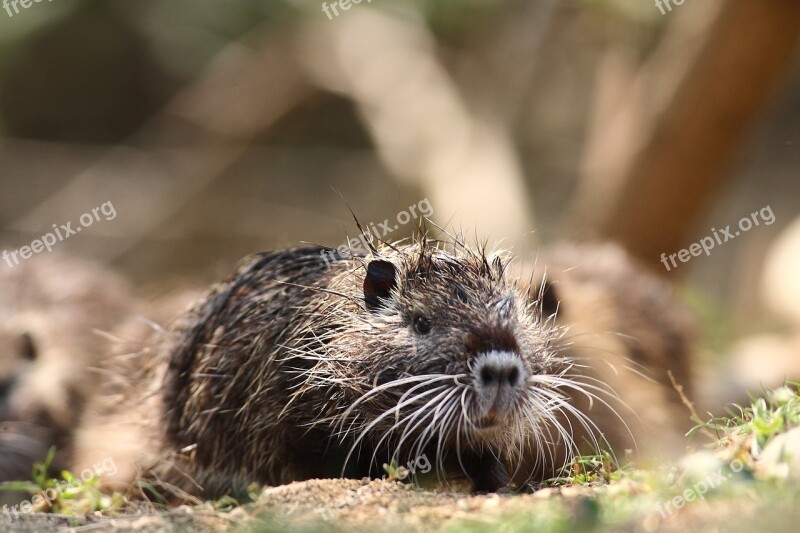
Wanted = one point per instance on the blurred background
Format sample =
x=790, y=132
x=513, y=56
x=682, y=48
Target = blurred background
x=217, y=129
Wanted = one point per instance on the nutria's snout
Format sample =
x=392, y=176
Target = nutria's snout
x=499, y=380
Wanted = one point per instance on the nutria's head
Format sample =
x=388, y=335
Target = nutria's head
x=40, y=380
x=434, y=347
x=25, y=435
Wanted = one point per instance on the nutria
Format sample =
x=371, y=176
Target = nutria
x=51, y=308
x=306, y=363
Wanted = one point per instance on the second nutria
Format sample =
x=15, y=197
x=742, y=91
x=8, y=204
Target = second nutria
x=626, y=330
x=51, y=309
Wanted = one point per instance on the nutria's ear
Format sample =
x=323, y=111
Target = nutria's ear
x=380, y=280
x=26, y=347
x=548, y=299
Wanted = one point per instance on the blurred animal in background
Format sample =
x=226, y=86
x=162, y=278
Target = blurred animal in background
x=51, y=310
x=627, y=332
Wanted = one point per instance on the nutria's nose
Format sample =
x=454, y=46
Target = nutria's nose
x=498, y=369
x=502, y=375
x=498, y=377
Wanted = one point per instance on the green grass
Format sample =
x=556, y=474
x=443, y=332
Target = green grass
x=592, y=470
x=767, y=416
x=67, y=494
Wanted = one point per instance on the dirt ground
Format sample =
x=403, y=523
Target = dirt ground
x=324, y=504
x=379, y=505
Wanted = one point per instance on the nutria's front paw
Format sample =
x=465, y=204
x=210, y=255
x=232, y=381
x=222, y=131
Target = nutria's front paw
x=487, y=473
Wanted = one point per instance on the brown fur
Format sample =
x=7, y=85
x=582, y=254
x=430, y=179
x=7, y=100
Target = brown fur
x=629, y=330
x=293, y=369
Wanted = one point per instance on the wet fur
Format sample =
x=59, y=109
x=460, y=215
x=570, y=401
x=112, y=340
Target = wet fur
x=294, y=369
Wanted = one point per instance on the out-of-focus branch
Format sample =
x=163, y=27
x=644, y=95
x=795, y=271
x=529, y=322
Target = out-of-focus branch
x=423, y=129
x=655, y=157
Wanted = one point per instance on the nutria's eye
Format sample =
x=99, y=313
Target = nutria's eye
x=5, y=387
x=422, y=325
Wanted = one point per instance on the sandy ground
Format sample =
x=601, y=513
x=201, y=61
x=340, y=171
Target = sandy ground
x=353, y=506
x=329, y=504
x=334, y=504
